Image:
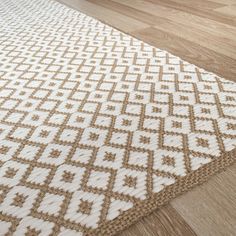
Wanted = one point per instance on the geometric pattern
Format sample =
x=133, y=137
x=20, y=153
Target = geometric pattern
x=93, y=122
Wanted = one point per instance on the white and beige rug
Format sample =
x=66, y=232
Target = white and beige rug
x=98, y=129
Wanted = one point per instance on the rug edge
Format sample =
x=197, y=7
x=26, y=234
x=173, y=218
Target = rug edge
x=184, y=184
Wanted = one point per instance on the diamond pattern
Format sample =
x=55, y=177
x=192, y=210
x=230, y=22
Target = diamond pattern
x=93, y=122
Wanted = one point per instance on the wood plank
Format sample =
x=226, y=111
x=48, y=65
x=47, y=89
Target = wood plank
x=227, y=10
x=165, y=221
x=106, y=15
x=116, y=6
x=155, y=12
x=226, y=2
x=191, y=9
x=208, y=40
x=200, y=4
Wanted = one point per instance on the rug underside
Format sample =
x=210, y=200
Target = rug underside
x=97, y=128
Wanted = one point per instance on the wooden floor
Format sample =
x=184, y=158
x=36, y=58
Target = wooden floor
x=202, y=32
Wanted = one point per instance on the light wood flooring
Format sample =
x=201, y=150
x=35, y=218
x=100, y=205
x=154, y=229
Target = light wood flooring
x=202, y=32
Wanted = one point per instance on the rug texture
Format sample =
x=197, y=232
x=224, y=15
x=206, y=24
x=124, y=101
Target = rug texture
x=97, y=128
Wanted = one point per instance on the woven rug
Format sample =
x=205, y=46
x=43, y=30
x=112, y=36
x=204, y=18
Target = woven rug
x=98, y=129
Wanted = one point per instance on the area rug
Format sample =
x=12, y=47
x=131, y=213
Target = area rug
x=98, y=129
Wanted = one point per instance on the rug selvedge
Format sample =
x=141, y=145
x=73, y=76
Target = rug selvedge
x=97, y=128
